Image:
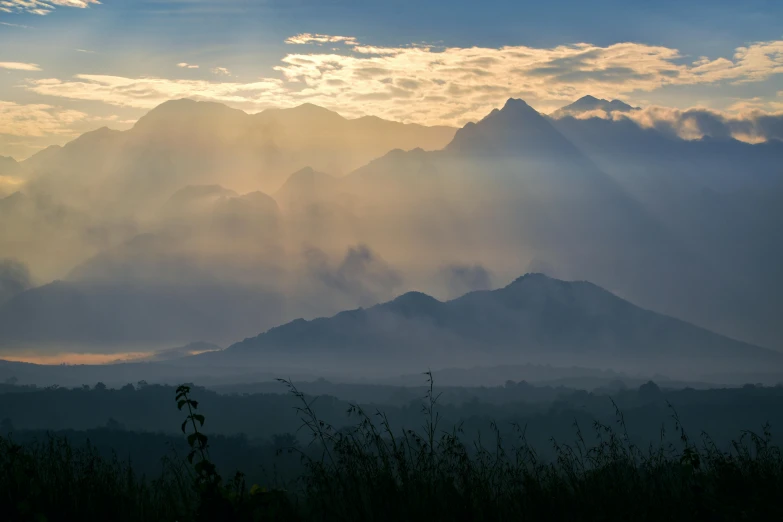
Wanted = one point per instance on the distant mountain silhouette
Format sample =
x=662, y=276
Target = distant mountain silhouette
x=633, y=209
x=516, y=129
x=198, y=194
x=185, y=142
x=589, y=103
x=535, y=318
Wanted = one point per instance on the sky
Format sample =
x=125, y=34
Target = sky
x=69, y=66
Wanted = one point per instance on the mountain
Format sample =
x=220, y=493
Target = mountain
x=517, y=129
x=534, y=319
x=512, y=186
x=184, y=142
x=635, y=210
x=587, y=104
x=680, y=227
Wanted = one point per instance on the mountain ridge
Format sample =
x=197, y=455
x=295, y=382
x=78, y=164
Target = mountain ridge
x=535, y=317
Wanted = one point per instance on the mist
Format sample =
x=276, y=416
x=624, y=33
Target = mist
x=205, y=224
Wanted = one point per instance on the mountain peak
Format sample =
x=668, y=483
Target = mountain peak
x=311, y=107
x=591, y=103
x=517, y=104
x=413, y=304
x=307, y=111
x=534, y=280
x=515, y=130
x=588, y=98
x=186, y=112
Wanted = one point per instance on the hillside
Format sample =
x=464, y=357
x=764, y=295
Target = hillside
x=535, y=318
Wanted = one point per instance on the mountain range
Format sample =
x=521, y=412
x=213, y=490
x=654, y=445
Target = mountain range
x=162, y=235
x=185, y=142
x=534, y=319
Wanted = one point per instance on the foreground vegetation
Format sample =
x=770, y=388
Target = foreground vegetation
x=371, y=471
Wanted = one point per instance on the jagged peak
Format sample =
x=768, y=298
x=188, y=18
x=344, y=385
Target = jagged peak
x=515, y=104
x=516, y=129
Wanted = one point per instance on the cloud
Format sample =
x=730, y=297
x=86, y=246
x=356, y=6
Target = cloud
x=41, y=7
x=428, y=85
x=146, y=93
x=19, y=66
x=33, y=120
x=752, y=126
x=361, y=274
x=320, y=39
x=184, y=65
x=745, y=121
x=221, y=71
x=14, y=25
x=461, y=279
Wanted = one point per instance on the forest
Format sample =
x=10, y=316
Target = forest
x=294, y=456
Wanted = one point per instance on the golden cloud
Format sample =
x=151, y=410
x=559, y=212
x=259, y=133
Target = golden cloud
x=35, y=120
x=430, y=85
x=308, y=38
x=19, y=66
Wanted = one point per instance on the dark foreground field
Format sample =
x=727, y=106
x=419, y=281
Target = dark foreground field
x=373, y=471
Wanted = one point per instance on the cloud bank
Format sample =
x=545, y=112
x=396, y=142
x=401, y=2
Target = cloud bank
x=430, y=85
x=751, y=125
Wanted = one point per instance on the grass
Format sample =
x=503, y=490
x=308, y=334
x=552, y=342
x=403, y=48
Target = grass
x=373, y=472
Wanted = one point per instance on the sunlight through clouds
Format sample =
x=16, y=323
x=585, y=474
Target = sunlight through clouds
x=429, y=85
